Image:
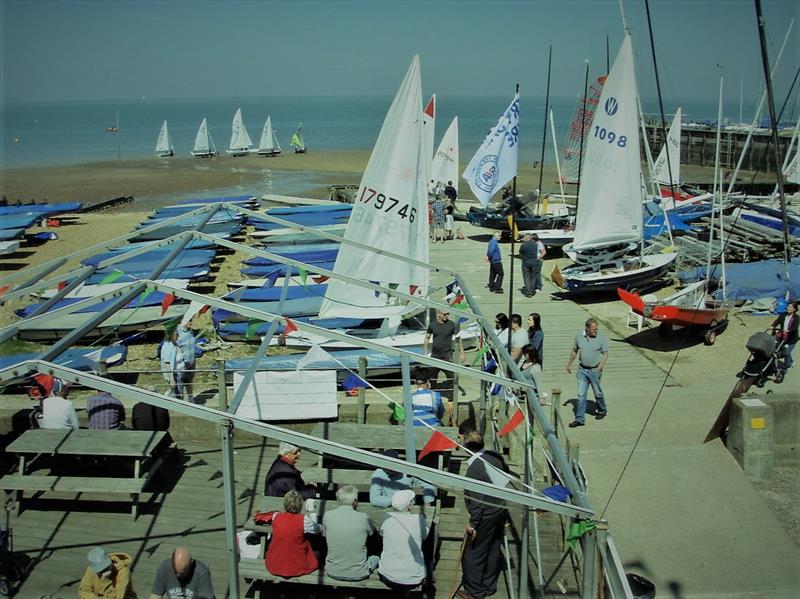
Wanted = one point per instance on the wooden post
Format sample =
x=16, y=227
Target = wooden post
x=361, y=408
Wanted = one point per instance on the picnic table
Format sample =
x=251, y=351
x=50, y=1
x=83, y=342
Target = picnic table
x=141, y=448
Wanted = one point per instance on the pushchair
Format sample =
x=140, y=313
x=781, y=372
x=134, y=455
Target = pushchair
x=764, y=361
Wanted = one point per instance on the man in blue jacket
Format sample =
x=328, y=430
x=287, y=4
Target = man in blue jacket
x=495, y=260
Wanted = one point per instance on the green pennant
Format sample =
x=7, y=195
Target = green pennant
x=394, y=286
x=531, y=435
x=144, y=295
x=172, y=324
x=252, y=326
x=303, y=275
x=460, y=306
x=398, y=412
x=577, y=529
x=111, y=277
x=481, y=352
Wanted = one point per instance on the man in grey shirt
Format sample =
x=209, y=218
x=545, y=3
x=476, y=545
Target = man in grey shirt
x=346, y=531
x=591, y=349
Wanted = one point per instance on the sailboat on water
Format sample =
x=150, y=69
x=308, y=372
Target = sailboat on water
x=240, y=139
x=609, y=221
x=268, y=145
x=203, y=144
x=297, y=143
x=444, y=166
x=164, y=147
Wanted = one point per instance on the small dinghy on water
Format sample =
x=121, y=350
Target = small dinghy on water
x=297, y=143
x=268, y=145
x=203, y=144
x=240, y=139
x=164, y=147
x=609, y=222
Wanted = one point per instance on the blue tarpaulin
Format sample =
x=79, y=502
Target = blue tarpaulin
x=753, y=280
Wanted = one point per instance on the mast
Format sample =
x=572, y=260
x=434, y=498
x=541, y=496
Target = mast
x=544, y=133
x=558, y=163
x=771, y=105
x=513, y=239
x=583, y=133
x=716, y=196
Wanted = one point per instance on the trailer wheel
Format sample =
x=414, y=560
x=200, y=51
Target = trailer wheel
x=664, y=330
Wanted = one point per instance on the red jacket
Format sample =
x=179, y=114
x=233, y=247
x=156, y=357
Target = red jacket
x=289, y=553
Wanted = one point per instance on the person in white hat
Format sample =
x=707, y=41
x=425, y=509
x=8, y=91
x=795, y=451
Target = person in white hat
x=402, y=564
x=108, y=575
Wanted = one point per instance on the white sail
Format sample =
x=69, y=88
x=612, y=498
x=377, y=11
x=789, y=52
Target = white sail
x=610, y=203
x=269, y=142
x=164, y=143
x=661, y=172
x=791, y=171
x=240, y=139
x=429, y=126
x=390, y=213
x=445, y=161
x=203, y=144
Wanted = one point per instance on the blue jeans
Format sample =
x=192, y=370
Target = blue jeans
x=786, y=352
x=586, y=377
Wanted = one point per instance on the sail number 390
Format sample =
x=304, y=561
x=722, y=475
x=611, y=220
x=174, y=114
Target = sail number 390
x=386, y=204
x=609, y=136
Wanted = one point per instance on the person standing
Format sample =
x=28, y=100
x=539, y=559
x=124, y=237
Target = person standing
x=451, y=193
x=438, y=206
x=529, y=252
x=108, y=575
x=785, y=329
x=537, y=277
x=172, y=362
x=449, y=223
x=180, y=576
x=495, y=260
x=519, y=337
x=440, y=334
x=482, y=561
x=536, y=341
x=591, y=349
x=105, y=411
x=427, y=404
x=346, y=531
x=187, y=346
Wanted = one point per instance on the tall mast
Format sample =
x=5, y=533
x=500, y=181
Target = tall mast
x=544, y=133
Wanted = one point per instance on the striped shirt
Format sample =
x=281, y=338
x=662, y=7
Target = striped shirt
x=105, y=411
x=428, y=407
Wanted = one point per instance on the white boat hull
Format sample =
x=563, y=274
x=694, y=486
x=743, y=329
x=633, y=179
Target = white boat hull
x=627, y=273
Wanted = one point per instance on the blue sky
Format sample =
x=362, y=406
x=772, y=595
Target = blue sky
x=105, y=50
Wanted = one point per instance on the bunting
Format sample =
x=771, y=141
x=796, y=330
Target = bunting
x=303, y=275
x=320, y=279
x=111, y=277
x=271, y=279
x=481, y=352
x=166, y=303
x=4, y=288
x=513, y=422
x=148, y=291
x=353, y=383
x=62, y=285
x=314, y=355
x=290, y=327
x=576, y=530
x=437, y=442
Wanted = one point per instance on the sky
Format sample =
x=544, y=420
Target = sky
x=118, y=50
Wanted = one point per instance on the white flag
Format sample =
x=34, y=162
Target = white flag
x=315, y=354
x=495, y=162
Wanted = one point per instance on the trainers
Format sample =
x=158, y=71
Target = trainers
x=499, y=291
x=600, y=415
x=575, y=424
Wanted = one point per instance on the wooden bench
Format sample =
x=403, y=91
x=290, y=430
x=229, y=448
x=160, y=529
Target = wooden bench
x=141, y=447
x=253, y=570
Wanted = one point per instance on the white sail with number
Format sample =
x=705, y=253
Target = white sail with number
x=444, y=167
x=164, y=143
x=610, y=202
x=389, y=214
x=672, y=148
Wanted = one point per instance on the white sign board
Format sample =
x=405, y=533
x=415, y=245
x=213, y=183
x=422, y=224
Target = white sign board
x=289, y=395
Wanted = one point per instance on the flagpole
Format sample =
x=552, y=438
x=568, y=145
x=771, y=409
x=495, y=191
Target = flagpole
x=513, y=236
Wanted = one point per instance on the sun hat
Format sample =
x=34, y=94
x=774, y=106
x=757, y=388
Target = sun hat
x=401, y=500
x=98, y=559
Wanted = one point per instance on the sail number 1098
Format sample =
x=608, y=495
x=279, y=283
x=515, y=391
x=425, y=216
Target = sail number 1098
x=609, y=136
x=387, y=204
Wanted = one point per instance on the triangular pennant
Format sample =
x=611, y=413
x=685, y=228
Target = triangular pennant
x=166, y=303
x=148, y=291
x=481, y=352
x=456, y=299
x=437, y=442
x=394, y=286
x=290, y=327
x=204, y=309
x=497, y=389
x=398, y=412
x=111, y=277
x=513, y=422
x=4, y=288
x=303, y=275
x=412, y=289
x=497, y=476
x=314, y=355
x=320, y=279
x=376, y=291
x=453, y=287
x=353, y=383
x=577, y=529
x=62, y=285
x=194, y=309
x=491, y=366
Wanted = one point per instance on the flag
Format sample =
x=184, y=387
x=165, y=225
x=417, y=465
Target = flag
x=353, y=383
x=497, y=389
x=252, y=327
x=437, y=442
x=482, y=352
x=62, y=285
x=576, y=530
x=491, y=366
x=4, y=288
x=111, y=277
x=412, y=289
x=457, y=301
x=290, y=326
x=303, y=275
x=398, y=412
x=314, y=355
x=195, y=308
x=144, y=295
x=557, y=493
x=497, y=476
x=320, y=279
x=495, y=162
x=453, y=287
x=513, y=422
x=166, y=303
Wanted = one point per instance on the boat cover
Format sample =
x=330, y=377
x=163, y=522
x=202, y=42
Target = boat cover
x=307, y=220
x=153, y=299
x=84, y=359
x=189, y=257
x=280, y=270
x=307, y=256
x=191, y=273
x=752, y=280
x=230, y=330
x=343, y=360
x=41, y=209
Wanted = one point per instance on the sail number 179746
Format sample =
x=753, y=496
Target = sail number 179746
x=384, y=203
x=609, y=136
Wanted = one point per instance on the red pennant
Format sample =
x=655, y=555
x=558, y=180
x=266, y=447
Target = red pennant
x=290, y=326
x=517, y=419
x=437, y=442
x=166, y=303
x=4, y=288
x=61, y=285
x=430, y=109
x=320, y=279
x=412, y=289
x=204, y=309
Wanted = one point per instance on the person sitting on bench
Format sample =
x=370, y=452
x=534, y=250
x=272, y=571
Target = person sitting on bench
x=289, y=552
x=402, y=564
x=385, y=483
x=346, y=531
x=283, y=476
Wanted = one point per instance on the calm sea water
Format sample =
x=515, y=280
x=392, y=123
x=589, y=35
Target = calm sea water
x=46, y=134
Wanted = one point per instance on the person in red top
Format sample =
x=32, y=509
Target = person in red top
x=289, y=552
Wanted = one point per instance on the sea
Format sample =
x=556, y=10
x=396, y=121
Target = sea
x=40, y=134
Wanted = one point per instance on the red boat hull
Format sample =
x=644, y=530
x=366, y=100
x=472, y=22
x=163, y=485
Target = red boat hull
x=674, y=315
